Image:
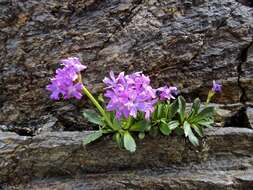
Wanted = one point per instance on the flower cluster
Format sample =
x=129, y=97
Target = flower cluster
x=129, y=94
x=65, y=83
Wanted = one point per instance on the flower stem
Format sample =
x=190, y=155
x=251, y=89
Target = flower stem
x=98, y=106
x=94, y=101
x=209, y=97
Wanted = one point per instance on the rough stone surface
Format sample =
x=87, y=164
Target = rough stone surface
x=179, y=42
x=249, y=113
x=62, y=154
x=151, y=180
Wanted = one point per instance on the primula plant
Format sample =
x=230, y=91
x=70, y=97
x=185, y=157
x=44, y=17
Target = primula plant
x=131, y=108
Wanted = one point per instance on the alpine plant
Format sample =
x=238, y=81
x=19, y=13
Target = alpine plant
x=132, y=107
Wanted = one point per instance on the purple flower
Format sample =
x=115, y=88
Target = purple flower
x=65, y=84
x=73, y=91
x=130, y=94
x=216, y=87
x=66, y=73
x=113, y=81
x=73, y=62
x=55, y=88
x=148, y=108
x=167, y=93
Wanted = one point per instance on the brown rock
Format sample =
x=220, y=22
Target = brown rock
x=184, y=43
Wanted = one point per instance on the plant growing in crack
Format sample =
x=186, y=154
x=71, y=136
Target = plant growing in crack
x=133, y=108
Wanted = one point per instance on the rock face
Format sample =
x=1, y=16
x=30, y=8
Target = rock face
x=224, y=161
x=151, y=180
x=249, y=113
x=179, y=42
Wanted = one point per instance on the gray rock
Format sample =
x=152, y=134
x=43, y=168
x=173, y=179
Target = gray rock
x=249, y=113
x=151, y=180
x=3, y=128
x=61, y=153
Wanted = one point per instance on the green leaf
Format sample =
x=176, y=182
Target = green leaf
x=163, y=120
x=141, y=116
x=204, y=114
x=181, y=108
x=198, y=130
x=187, y=128
x=92, y=136
x=140, y=126
x=115, y=124
x=173, y=125
x=196, y=105
x=129, y=142
x=154, y=114
x=164, y=128
x=193, y=139
x=106, y=130
x=159, y=111
x=188, y=133
x=141, y=135
x=207, y=123
x=165, y=109
x=119, y=140
x=110, y=115
x=92, y=117
x=195, y=108
x=172, y=110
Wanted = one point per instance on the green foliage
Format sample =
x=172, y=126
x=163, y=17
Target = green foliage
x=121, y=130
x=181, y=108
x=93, y=117
x=163, y=115
x=168, y=118
x=129, y=142
x=164, y=128
x=94, y=135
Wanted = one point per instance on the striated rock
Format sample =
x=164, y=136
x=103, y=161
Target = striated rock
x=184, y=43
x=249, y=113
x=61, y=153
x=151, y=180
x=222, y=116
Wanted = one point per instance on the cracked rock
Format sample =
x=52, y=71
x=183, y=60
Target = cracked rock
x=182, y=43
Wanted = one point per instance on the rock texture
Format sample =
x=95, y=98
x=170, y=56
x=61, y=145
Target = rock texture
x=151, y=180
x=180, y=42
x=177, y=42
x=224, y=161
x=249, y=113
